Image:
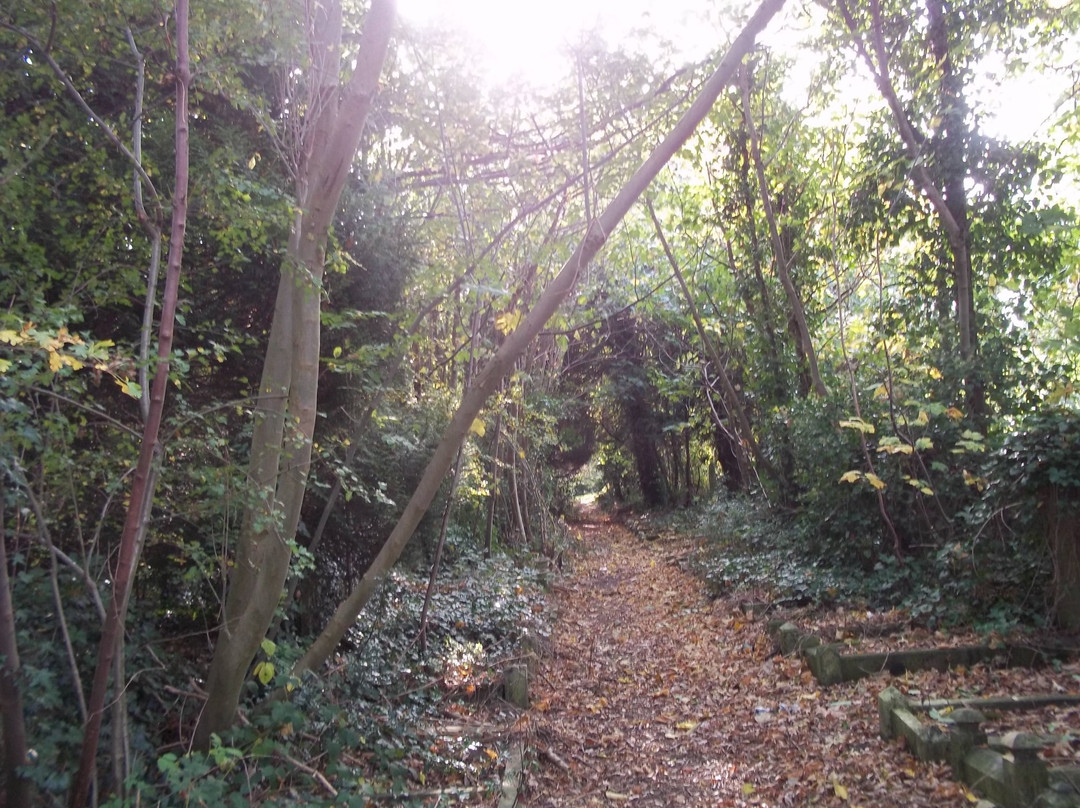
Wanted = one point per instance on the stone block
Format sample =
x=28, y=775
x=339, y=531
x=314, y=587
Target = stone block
x=888, y=700
x=984, y=771
x=1025, y=773
x=516, y=686
x=824, y=662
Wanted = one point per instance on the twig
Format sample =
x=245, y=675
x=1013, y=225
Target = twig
x=406, y=796
x=547, y=754
x=315, y=774
x=187, y=694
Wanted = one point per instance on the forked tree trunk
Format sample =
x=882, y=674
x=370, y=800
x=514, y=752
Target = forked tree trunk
x=142, y=487
x=516, y=342
x=285, y=416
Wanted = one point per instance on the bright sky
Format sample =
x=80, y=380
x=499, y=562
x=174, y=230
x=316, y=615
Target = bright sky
x=528, y=39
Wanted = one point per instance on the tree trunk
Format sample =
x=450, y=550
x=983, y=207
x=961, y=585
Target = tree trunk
x=951, y=162
x=781, y=258
x=16, y=788
x=731, y=401
x=1059, y=521
x=142, y=487
x=949, y=204
x=285, y=410
x=515, y=343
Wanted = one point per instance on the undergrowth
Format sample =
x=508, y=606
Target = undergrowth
x=361, y=731
x=987, y=583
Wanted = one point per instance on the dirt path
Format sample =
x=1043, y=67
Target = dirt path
x=654, y=695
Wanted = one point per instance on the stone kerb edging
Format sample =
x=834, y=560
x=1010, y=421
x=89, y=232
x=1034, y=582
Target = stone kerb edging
x=831, y=665
x=1006, y=769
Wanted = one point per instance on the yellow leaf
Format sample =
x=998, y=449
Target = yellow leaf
x=286, y=730
x=875, y=481
x=478, y=428
x=851, y=476
x=55, y=362
x=264, y=672
x=508, y=321
x=4, y=365
x=979, y=483
x=882, y=392
x=254, y=159
x=748, y=789
x=129, y=388
x=10, y=337
x=923, y=418
x=841, y=791
x=859, y=424
x=687, y=725
x=935, y=373
x=892, y=445
x=491, y=753
x=954, y=413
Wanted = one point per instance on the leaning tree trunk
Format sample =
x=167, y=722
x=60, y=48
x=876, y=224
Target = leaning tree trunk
x=516, y=342
x=285, y=413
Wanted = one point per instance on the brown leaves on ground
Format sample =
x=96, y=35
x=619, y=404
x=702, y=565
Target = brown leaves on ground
x=654, y=695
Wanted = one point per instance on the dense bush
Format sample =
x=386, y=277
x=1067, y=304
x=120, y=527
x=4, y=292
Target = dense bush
x=982, y=580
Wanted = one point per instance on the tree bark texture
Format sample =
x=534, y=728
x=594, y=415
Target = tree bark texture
x=286, y=408
x=16, y=788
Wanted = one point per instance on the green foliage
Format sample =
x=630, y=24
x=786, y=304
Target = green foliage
x=1044, y=451
x=361, y=726
x=984, y=583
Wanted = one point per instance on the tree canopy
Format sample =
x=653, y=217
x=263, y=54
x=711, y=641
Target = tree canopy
x=323, y=301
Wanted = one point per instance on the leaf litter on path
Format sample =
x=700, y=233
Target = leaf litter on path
x=654, y=694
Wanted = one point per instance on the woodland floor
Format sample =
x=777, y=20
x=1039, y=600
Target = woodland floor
x=654, y=694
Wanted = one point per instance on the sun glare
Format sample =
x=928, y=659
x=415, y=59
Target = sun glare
x=529, y=40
